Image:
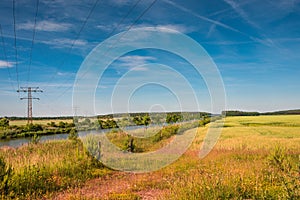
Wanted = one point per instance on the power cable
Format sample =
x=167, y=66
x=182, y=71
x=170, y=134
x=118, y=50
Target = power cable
x=32, y=42
x=6, y=60
x=76, y=38
x=135, y=21
x=15, y=44
x=116, y=27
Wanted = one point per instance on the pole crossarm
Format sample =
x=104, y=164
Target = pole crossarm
x=29, y=98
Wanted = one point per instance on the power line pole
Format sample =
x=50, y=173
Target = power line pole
x=29, y=98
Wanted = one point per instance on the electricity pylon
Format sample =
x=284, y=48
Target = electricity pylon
x=29, y=98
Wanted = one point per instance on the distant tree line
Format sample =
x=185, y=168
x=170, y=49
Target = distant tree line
x=243, y=113
x=239, y=113
x=284, y=112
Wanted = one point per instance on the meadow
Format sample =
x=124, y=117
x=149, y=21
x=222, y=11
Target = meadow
x=254, y=158
x=41, y=121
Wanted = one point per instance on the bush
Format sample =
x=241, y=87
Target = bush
x=35, y=139
x=73, y=135
x=4, y=122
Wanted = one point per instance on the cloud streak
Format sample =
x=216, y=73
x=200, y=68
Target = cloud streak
x=5, y=64
x=135, y=61
x=218, y=23
x=265, y=41
x=65, y=42
x=47, y=26
x=236, y=7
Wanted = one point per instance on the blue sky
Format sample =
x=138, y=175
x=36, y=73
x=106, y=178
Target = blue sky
x=255, y=45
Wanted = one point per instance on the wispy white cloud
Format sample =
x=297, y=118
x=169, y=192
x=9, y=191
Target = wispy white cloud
x=264, y=40
x=5, y=64
x=139, y=69
x=169, y=27
x=48, y=26
x=237, y=8
x=228, y=43
x=218, y=23
x=211, y=30
x=163, y=27
x=68, y=74
x=65, y=42
x=106, y=27
x=135, y=61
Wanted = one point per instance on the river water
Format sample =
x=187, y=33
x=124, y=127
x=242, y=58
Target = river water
x=16, y=142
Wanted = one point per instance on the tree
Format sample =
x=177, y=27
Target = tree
x=73, y=135
x=33, y=127
x=61, y=124
x=4, y=122
x=146, y=120
x=173, y=118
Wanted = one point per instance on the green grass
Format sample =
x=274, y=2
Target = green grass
x=245, y=164
x=41, y=169
x=254, y=158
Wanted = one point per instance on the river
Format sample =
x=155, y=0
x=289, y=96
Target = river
x=16, y=142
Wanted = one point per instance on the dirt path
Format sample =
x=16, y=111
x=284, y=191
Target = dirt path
x=118, y=185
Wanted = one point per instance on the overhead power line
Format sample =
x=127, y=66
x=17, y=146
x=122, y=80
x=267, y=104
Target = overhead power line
x=5, y=58
x=104, y=54
x=15, y=43
x=32, y=42
x=123, y=18
x=76, y=38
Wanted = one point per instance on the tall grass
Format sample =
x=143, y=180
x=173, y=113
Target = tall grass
x=255, y=158
x=40, y=169
x=244, y=164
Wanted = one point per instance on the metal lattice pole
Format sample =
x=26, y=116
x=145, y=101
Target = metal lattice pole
x=29, y=98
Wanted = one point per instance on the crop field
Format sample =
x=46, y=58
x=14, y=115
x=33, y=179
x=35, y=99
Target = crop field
x=42, y=121
x=254, y=158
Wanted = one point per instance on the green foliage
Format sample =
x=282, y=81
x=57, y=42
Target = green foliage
x=45, y=168
x=141, y=144
x=73, y=135
x=129, y=144
x=173, y=118
x=204, y=121
x=29, y=130
x=61, y=124
x=35, y=139
x=166, y=132
x=52, y=124
x=107, y=124
x=92, y=146
x=4, y=122
x=239, y=113
x=33, y=127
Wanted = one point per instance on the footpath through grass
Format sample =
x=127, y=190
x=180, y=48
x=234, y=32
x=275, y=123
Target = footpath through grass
x=255, y=158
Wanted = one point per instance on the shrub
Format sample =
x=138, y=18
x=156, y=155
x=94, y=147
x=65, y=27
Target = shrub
x=73, y=135
x=35, y=139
